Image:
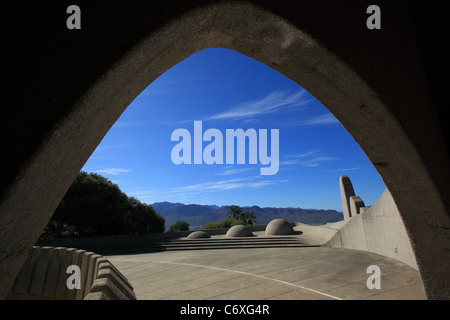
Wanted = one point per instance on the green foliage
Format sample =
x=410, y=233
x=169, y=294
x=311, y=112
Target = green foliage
x=142, y=218
x=179, y=226
x=227, y=223
x=237, y=216
x=248, y=218
x=94, y=206
x=234, y=212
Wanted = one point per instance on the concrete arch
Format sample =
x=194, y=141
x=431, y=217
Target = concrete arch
x=383, y=102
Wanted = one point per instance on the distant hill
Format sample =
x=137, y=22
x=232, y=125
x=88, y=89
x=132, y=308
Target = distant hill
x=198, y=215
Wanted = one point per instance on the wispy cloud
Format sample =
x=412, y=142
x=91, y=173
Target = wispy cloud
x=319, y=120
x=235, y=171
x=303, y=155
x=313, y=158
x=270, y=104
x=112, y=171
x=227, y=185
x=210, y=186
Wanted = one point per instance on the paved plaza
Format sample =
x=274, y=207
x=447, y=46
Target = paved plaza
x=297, y=273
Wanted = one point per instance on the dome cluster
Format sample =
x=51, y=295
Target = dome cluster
x=275, y=227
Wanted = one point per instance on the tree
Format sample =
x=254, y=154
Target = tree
x=248, y=217
x=235, y=212
x=142, y=218
x=236, y=216
x=179, y=226
x=94, y=206
x=226, y=223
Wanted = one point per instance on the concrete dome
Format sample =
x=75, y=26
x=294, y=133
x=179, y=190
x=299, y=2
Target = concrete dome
x=239, y=231
x=198, y=235
x=279, y=227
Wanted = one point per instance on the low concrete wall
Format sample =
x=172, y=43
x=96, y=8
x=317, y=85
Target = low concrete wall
x=44, y=277
x=316, y=235
x=378, y=229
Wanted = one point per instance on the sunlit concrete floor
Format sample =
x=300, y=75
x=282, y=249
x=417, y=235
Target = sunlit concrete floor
x=308, y=273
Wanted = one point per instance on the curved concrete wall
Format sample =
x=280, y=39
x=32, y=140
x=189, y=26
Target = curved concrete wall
x=378, y=229
x=373, y=81
x=44, y=277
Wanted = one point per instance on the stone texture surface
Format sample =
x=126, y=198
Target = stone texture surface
x=43, y=277
x=356, y=203
x=347, y=191
x=279, y=227
x=239, y=231
x=277, y=273
x=198, y=235
x=378, y=229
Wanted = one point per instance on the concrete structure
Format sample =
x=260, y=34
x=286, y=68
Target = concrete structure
x=356, y=203
x=378, y=229
x=44, y=277
x=239, y=231
x=347, y=192
x=310, y=273
x=351, y=204
x=218, y=268
x=305, y=269
x=198, y=235
x=66, y=88
x=279, y=227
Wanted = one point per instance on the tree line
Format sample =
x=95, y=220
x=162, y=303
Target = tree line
x=235, y=216
x=94, y=206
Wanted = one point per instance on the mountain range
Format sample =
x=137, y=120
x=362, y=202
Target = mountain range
x=198, y=215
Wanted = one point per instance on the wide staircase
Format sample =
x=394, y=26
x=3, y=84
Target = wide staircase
x=206, y=244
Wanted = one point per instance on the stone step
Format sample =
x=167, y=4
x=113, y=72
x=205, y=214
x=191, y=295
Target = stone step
x=209, y=244
x=229, y=241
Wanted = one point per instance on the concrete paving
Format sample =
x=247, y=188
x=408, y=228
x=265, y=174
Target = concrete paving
x=298, y=273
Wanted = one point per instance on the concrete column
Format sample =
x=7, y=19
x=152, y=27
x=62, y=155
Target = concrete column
x=356, y=204
x=40, y=271
x=66, y=260
x=25, y=276
x=53, y=274
x=346, y=192
x=91, y=274
x=77, y=258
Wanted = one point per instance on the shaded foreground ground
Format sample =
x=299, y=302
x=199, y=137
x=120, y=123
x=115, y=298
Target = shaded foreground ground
x=299, y=273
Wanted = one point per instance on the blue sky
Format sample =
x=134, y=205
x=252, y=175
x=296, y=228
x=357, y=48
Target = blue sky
x=227, y=90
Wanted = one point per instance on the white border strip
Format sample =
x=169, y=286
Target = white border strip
x=236, y=271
